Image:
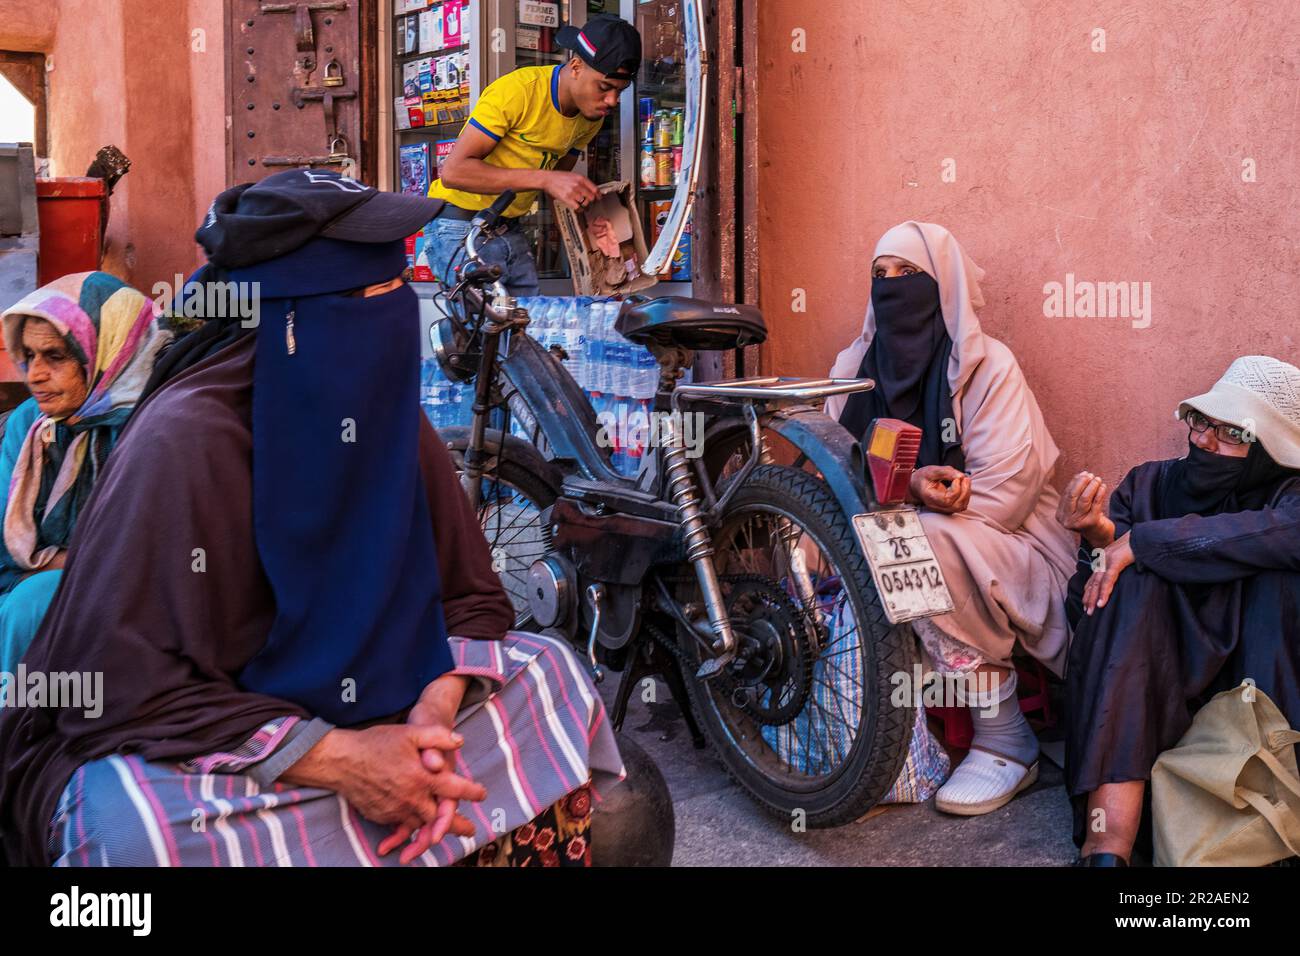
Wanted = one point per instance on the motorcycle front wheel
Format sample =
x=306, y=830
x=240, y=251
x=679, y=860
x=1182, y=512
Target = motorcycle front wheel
x=804, y=721
x=514, y=495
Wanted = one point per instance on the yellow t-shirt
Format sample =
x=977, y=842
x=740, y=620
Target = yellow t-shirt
x=521, y=111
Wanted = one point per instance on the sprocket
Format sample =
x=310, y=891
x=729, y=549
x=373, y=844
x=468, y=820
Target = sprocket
x=773, y=671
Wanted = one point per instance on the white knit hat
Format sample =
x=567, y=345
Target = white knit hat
x=1261, y=394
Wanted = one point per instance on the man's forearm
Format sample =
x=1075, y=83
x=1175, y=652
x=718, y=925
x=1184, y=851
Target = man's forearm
x=476, y=176
x=319, y=767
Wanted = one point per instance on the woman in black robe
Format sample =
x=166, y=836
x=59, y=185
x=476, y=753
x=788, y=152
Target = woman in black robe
x=1189, y=587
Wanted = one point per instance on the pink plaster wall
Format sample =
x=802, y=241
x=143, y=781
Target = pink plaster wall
x=135, y=74
x=1117, y=166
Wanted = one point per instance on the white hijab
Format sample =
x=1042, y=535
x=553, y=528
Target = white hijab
x=934, y=250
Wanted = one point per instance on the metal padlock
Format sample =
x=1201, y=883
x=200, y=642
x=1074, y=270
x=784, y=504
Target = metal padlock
x=333, y=74
x=339, y=147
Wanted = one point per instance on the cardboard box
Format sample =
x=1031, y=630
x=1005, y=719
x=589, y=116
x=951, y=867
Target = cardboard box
x=593, y=272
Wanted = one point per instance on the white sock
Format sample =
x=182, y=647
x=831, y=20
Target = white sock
x=1002, y=728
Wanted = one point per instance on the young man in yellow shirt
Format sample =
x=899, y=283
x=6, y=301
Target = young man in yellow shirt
x=526, y=133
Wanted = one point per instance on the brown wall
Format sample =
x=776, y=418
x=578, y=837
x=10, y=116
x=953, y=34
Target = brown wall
x=1123, y=165
x=132, y=73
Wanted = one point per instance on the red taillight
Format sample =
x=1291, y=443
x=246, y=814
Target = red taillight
x=891, y=458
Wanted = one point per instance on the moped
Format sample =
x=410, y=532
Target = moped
x=765, y=579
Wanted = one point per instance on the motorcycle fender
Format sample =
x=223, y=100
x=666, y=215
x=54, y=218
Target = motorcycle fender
x=828, y=446
x=456, y=438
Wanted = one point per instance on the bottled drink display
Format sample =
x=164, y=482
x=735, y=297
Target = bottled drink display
x=618, y=377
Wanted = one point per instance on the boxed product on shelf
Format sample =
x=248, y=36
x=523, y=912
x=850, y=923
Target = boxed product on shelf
x=682, y=257
x=442, y=150
x=415, y=111
x=425, y=73
x=612, y=219
x=451, y=22
x=417, y=258
x=427, y=43
x=401, y=118
x=413, y=169
x=659, y=210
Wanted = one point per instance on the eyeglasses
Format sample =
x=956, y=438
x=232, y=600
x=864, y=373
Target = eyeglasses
x=1228, y=434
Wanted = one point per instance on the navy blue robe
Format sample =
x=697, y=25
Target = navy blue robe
x=1210, y=602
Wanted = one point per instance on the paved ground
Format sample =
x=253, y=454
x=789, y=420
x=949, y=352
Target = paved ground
x=718, y=825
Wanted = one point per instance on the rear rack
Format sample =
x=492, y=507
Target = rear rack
x=774, y=389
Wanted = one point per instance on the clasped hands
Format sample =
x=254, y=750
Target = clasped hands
x=1082, y=509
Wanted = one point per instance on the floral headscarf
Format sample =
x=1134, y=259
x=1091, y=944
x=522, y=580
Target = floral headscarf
x=115, y=333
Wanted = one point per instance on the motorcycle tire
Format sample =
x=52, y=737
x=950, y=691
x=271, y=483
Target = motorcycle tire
x=880, y=744
x=528, y=479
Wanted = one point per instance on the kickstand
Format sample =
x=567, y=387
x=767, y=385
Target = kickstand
x=648, y=659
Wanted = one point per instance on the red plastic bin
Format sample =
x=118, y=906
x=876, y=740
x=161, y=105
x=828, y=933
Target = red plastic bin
x=70, y=210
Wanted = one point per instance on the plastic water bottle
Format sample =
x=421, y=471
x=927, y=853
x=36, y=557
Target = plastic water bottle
x=541, y=315
x=574, y=344
x=458, y=410
x=647, y=375
x=597, y=353
x=427, y=384
x=555, y=321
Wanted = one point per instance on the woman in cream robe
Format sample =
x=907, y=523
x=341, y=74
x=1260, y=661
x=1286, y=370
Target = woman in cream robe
x=1004, y=556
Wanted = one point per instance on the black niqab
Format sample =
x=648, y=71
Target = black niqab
x=1205, y=483
x=908, y=360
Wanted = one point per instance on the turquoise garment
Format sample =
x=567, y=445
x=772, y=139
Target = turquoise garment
x=21, y=613
x=16, y=428
x=23, y=601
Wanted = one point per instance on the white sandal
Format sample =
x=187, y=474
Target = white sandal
x=983, y=782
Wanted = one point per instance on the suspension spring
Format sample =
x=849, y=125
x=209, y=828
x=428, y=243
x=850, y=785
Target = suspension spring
x=683, y=493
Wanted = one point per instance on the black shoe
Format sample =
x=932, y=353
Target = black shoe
x=1101, y=859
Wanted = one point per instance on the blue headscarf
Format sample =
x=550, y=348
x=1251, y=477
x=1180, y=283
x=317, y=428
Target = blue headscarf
x=340, y=516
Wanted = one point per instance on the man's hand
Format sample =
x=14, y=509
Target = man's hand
x=437, y=708
x=1081, y=509
x=573, y=189
x=379, y=771
x=1114, y=560
x=941, y=488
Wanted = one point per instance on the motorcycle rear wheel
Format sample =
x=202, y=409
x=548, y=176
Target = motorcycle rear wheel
x=844, y=750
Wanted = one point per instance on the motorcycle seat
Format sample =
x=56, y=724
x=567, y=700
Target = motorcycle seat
x=691, y=324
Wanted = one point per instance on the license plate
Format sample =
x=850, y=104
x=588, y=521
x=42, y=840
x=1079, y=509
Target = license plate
x=907, y=574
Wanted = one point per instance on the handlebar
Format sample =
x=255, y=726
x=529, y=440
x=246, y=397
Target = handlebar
x=492, y=214
x=484, y=221
x=482, y=275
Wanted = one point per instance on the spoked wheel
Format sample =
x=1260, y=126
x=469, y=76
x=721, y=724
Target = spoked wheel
x=513, y=499
x=802, y=718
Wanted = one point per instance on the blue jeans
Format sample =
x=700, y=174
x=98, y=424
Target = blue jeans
x=445, y=244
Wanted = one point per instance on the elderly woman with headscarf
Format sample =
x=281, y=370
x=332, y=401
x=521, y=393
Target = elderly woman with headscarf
x=86, y=344
x=983, y=481
x=1196, y=588
x=306, y=654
